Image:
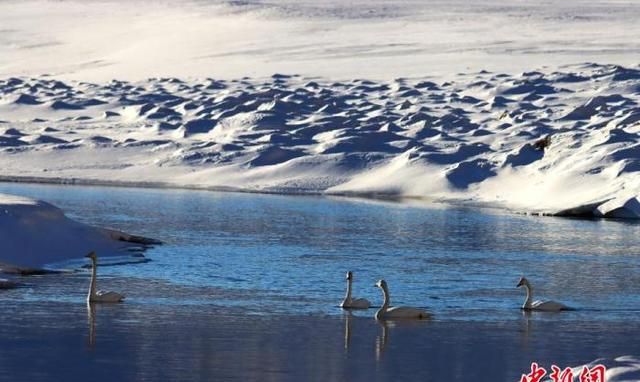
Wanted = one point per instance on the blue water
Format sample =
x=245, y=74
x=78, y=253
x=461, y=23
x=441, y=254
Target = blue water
x=246, y=287
x=271, y=255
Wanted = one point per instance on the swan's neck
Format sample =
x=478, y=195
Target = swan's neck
x=527, y=301
x=385, y=304
x=347, y=297
x=92, y=286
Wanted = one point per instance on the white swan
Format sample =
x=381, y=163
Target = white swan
x=353, y=303
x=546, y=306
x=99, y=296
x=397, y=312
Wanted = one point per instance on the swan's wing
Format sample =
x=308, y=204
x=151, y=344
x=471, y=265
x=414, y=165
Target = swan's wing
x=358, y=303
x=361, y=303
x=550, y=306
x=406, y=312
x=114, y=296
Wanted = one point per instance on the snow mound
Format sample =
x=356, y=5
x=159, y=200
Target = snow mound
x=34, y=234
x=620, y=369
x=560, y=142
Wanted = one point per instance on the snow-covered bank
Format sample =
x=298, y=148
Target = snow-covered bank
x=561, y=141
x=620, y=369
x=35, y=233
x=461, y=134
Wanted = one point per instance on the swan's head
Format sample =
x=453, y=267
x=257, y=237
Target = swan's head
x=350, y=276
x=523, y=281
x=92, y=255
x=381, y=284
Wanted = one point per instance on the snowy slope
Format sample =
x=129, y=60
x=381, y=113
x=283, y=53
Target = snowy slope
x=432, y=99
x=99, y=40
x=472, y=139
x=35, y=233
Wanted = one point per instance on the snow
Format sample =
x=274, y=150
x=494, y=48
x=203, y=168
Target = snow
x=439, y=100
x=529, y=106
x=98, y=40
x=563, y=142
x=34, y=234
x=619, y=369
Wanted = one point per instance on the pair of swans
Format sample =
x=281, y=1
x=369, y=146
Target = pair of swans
x=385, y=312
x=98, y=295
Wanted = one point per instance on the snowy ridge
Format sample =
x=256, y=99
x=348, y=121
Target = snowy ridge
x=563, y=141
x=34, y=234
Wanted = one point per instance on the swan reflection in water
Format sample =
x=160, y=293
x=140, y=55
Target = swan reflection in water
x=527, y=327
x=382, y=339
x=388, y=326
x=348, y=316
x=91, y=320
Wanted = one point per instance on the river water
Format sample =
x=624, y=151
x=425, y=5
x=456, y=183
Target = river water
x=247, y=287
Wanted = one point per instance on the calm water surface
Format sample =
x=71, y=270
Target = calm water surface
x=242, y=275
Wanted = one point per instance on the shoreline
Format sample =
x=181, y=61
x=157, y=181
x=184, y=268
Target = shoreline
x=351, y=195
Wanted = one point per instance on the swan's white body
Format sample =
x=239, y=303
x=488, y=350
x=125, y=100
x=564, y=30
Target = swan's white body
x=350, y=302
x=95, y=295
x=545, y=306
x=397, y=312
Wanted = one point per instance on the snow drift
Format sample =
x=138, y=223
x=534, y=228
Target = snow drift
x=564, y=142
x=619, y=369
x=35, y=233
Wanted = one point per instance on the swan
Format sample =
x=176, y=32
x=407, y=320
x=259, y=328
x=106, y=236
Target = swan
x=99, y=296
x=546, y=306
x=353, y=303
x=397, y=312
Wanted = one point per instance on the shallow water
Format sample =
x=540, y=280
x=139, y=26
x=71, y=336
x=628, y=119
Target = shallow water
x=255, y=280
